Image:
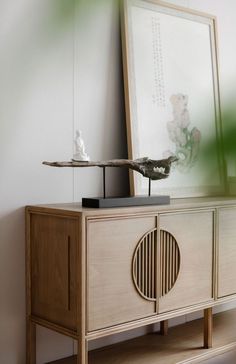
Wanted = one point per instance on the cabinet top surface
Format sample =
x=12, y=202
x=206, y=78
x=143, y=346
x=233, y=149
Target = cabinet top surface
x=175, y=204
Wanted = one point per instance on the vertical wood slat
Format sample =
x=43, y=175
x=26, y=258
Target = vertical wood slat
x=146, y=267
x=173, y=268
x=155, y=262
x=69, y=270
x=145, y=264
x=176, y=262
x=153, y=266
x=161, y=263
x=139, y=268
x=169, y=260
x=167, y=263
x=149, y=265
x=142, y=269
x=164, y=264
x=171, y=263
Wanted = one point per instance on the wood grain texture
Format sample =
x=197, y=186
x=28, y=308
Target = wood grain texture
x=112, y=296
x=175, y=205
x=193, y=232
x=30, y=326
x=208, y=328
x=182, y=345
x=97, y=259
x=144, y=266
x=70, y=360
x=169, y=262
x=227, y=252
x=30, y=342
x=82, y=344
x=164, y=327
x=53, y=269
x=54, y=327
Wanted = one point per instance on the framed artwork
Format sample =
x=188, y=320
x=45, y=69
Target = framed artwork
x=172, y=95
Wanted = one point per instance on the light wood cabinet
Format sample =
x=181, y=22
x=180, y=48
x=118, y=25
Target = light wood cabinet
x=112, y=297
x=227, y=252
x=193, y=232
x=53, y=268
x=92, y=273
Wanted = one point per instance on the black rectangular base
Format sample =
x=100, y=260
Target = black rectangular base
x=100, y=202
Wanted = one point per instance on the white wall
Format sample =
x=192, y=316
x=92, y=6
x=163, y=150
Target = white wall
x=36, y=123
x=53, y=79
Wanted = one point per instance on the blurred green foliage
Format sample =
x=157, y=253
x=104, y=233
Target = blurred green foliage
x=64, y=10
x=229, y=133
x=225, y=148
x=227, y=145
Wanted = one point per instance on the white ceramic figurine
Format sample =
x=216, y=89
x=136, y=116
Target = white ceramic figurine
x=80, y=154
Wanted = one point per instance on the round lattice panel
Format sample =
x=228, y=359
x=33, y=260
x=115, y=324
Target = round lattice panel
x=145, y=264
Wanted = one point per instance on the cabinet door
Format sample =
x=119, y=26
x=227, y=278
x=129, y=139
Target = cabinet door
x=53, y=268
x=112, y=296
x=192, y=233
x=227, y=252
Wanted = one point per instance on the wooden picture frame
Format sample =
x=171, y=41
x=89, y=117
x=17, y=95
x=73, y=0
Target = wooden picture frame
x=172, y=95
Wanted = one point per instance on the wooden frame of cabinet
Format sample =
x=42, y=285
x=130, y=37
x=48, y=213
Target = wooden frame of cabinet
x=59, y=270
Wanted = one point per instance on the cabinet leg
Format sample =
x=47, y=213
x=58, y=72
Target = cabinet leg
x=164, y=327
x=82, y=356
x=208, y=325
x=30, y=342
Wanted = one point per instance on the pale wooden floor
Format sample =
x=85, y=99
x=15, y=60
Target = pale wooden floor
x=183, y=345
x=227, y=358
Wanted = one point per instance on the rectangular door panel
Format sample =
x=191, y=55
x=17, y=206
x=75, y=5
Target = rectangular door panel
x=186, y=260
x=112, y=295
x=227, y=252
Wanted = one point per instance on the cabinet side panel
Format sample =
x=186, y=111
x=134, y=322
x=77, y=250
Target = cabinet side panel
x=53, y=268
x=227, y=252
x=112, y=296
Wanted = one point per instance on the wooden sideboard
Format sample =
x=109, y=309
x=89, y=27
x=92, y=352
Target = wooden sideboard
x=96, y=272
